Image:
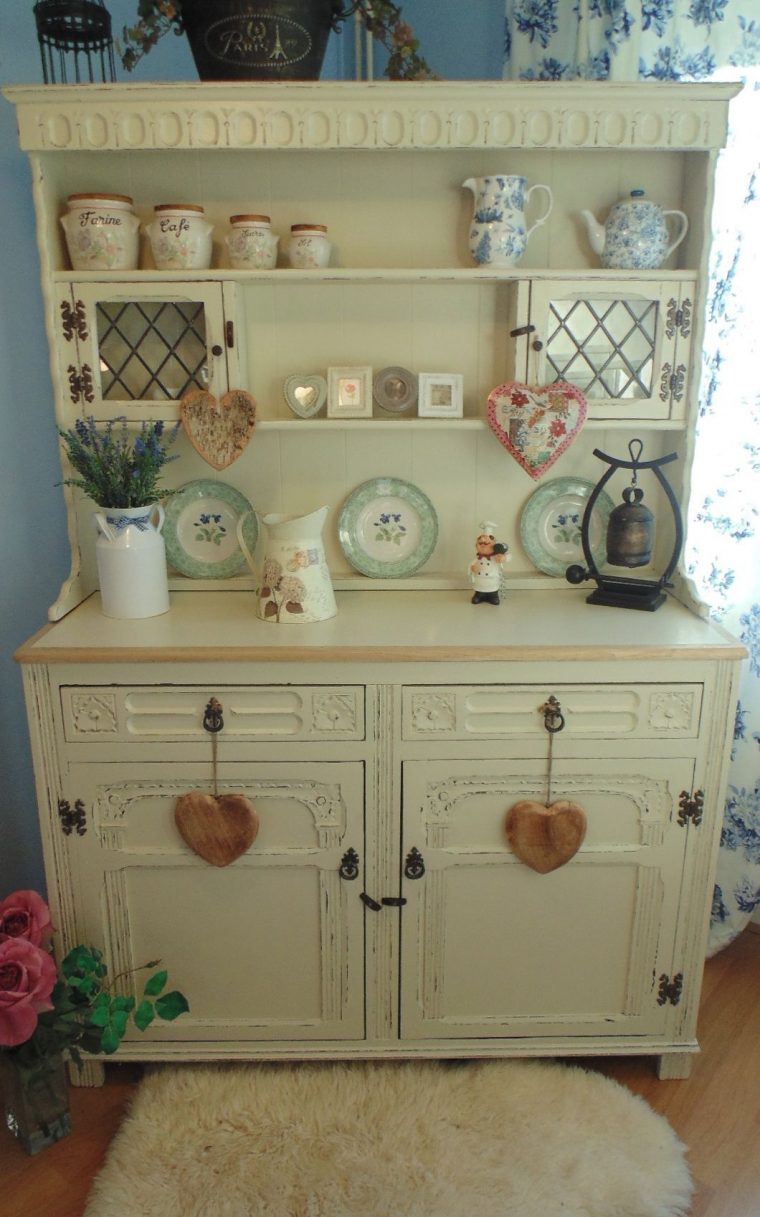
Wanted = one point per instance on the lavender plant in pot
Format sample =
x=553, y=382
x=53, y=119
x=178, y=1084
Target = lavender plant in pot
x=120, y=470
x=269, y=39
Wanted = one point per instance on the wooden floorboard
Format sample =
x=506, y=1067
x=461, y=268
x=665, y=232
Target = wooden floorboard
x=716, y=1111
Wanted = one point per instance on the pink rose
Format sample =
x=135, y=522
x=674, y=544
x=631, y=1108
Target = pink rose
x=27, y=976
x=25, y=915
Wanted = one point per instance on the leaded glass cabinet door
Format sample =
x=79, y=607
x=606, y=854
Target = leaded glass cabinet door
x=624, y=343
x=135, y=350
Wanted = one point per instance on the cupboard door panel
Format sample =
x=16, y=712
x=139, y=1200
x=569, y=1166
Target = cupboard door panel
x=142, y=347
x=492, y=948
x=268, y=948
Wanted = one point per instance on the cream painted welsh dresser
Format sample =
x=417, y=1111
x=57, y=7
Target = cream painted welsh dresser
x=380, y=912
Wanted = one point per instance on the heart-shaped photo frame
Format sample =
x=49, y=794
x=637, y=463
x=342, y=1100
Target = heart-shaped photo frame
x=219, y=430
x=218, y=828
x=536, y=423
x=545, y=838
x=306, y=395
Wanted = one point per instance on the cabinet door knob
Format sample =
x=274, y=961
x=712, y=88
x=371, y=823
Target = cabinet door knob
x=216, y=349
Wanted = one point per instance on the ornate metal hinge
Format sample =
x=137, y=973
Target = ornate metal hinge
x=672, y=382
x=349, y=865
x=670, y=990
x=73, y=819
x=690, y=807
x=678, y=320
x=80, y=383
x=414, y=864
x=74, y=320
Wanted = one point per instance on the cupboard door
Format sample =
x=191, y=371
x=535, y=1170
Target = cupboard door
x=141, y=347
x=492, y=948
x=268, y=948
x=623, y=342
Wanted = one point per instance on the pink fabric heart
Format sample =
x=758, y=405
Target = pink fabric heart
x=536, y=423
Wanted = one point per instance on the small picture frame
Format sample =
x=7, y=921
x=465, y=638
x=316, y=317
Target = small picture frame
x=349, y=392
x=440, y=395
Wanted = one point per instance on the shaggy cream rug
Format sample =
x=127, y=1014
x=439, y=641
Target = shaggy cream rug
x=408, y=1139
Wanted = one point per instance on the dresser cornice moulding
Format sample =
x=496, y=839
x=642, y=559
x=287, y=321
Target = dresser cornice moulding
x=353, y=115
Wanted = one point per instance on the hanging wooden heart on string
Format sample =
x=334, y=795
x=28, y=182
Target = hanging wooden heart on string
x=218, y=430
x=536, y=423
x=545, y=838
x=219, y=828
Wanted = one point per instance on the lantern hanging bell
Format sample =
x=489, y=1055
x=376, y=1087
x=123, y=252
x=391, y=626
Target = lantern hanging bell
x=630, y=531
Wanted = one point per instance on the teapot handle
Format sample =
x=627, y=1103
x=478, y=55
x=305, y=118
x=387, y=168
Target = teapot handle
x=547, y=213
x=246, y=552
x=684, y=225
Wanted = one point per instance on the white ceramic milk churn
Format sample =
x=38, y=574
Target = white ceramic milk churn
x=131, y=559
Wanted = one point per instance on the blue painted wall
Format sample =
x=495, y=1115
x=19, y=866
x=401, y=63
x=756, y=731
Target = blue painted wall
x=459, y=40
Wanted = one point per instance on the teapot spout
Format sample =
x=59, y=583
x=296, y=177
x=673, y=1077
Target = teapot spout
x=595, y=232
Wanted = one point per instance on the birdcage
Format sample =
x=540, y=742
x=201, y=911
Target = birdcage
x=75, y=41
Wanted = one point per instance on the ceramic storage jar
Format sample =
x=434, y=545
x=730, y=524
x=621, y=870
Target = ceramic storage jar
x=101, y=232
x=252, y=244
x=180, y=237
x=309, y=246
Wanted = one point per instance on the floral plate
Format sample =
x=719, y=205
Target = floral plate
x=550, y=525
x=387, y=528
x=200, y=530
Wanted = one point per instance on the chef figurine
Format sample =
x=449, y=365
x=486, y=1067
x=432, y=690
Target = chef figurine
x=485, y=571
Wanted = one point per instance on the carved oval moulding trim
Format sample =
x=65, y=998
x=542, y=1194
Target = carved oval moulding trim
x=377, y=115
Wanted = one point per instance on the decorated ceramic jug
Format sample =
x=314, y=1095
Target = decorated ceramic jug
x=131, y=560
x=499, y=232
x=101, y=232
x=635, y=235
x=290, y=568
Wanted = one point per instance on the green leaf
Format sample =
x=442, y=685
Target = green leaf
x=111, y=1040
x=99, y=1016
x=144, y=1015
x=154, y=984
x=119, y=1021
x=123, y=1003
x=171, y=1005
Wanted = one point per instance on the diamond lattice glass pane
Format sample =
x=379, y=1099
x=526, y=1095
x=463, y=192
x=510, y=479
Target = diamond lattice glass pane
x=605, y=347
x=151, y=349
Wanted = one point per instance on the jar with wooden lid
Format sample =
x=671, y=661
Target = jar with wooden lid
x=251, y=242
x=101, y=231
x=309, y=246
x=180, y=237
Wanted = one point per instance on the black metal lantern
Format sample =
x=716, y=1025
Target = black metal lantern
x=630, y=536
x=75, y=41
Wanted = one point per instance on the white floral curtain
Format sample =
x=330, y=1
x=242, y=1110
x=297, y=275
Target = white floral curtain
x=688, y=40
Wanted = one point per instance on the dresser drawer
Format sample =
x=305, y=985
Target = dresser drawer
x=275, y=712
x=466, y=712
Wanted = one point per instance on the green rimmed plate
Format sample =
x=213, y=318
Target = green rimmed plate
x=200, y=530
x=550, y=525
x=387, y=528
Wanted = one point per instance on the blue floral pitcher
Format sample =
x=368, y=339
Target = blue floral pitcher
x=499, y=232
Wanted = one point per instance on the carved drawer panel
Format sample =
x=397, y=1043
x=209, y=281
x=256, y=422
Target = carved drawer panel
x=93, y=714
x=601, y=711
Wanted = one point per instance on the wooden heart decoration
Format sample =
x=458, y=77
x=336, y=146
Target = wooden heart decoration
x=545, y=838
x=218, y=828
x=218, y=430
x=536, y=423
x=305, y=395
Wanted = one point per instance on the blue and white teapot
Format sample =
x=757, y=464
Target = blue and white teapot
x=635, y=235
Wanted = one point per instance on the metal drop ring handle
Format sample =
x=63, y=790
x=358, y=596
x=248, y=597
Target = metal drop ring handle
x=554, y=719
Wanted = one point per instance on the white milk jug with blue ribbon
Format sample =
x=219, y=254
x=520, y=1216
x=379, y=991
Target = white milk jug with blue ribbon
x=290, y=568
x=131, y=559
